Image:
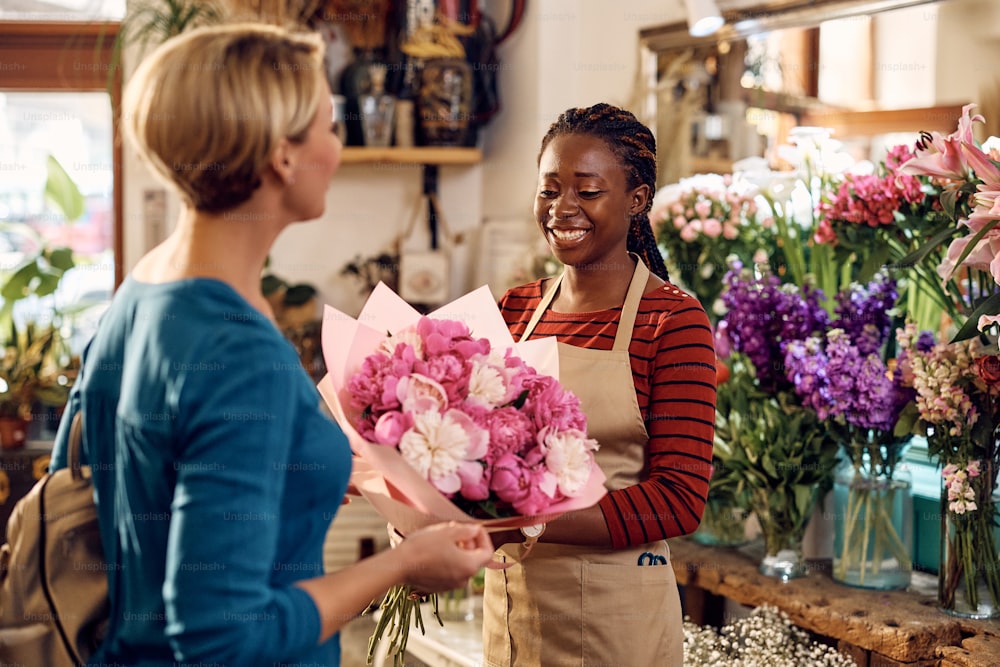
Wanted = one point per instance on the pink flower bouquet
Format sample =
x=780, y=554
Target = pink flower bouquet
x=449, y=419
x=451, y=426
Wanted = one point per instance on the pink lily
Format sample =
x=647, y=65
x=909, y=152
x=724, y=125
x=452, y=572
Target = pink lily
x=942, y=156
x=988, y=196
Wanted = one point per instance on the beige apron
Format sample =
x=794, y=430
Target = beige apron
x=570, y=605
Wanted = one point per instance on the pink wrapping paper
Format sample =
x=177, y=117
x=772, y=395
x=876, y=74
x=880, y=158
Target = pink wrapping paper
x=392, y=486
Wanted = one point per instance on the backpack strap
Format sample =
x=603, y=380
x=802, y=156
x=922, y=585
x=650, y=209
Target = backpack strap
x=73, y=452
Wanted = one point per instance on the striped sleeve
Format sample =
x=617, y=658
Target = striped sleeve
x=673, y=365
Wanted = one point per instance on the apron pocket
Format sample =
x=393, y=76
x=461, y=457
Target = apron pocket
x=631, y=616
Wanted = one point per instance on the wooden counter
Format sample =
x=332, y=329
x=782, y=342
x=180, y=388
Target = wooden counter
x=877, y=628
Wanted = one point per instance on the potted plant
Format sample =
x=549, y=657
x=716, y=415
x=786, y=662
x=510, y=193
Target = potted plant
x=36, y=371
x=36, y=367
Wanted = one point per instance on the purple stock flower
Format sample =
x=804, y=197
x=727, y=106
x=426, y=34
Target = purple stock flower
x=763, y=316
x=863, y=312
x=837, y=379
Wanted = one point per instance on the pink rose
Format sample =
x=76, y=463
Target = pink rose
x=419, y=393
x=689, y=234
x=450, y=372
x=475, y=481
x=712, y=228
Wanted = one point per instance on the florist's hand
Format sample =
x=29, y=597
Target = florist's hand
x=442, y=557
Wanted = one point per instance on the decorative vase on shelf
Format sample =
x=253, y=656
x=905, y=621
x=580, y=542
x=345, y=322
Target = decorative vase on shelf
x=355, y=82
x=723, y=523
x=783, y=529
x=444, y=102
x=969, y=571
x=377, y=109
x=873, y=535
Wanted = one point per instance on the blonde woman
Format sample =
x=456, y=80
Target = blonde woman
x=216, y=474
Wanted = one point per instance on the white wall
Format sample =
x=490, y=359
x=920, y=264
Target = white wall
x=968, y=32
x=905, y=68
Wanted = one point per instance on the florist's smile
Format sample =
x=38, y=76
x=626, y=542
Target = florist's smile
x=565, y=236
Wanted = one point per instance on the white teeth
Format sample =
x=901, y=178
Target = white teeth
x=570, y=235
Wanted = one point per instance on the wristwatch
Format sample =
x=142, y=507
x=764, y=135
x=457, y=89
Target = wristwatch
x=531, y=535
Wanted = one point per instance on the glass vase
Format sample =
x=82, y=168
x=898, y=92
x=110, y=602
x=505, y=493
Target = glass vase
x=783, y=557
x=783, y=529
x=969, y=572
x=723, y=523
x=873, y=528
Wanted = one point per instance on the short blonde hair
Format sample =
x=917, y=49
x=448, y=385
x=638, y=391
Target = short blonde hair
x=208, y=108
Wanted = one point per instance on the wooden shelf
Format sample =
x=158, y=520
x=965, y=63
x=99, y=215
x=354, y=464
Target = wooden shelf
x=875, y=627
x=419, y=155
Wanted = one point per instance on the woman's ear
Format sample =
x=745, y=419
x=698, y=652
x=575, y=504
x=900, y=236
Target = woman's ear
x=640, y=199
x=282, y=162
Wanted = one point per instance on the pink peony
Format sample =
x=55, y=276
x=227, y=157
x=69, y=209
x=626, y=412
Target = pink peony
x=390, y=427
x=551, y=405
x=524, y=483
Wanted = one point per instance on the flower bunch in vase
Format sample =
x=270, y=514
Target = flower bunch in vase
x=843, y=376
x=956, y=405
x=700, y=222
x=952, y=237
x=780, y=447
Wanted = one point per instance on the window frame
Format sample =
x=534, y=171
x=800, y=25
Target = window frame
x=67, y=56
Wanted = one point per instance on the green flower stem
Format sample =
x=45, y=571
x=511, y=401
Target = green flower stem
x=782, y=530
x=972, y=557
x=400, y=610
x=791, y=247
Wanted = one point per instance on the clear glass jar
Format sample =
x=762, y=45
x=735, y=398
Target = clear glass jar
x=377, y=109
x=723, y=523
x=873, y=526
x=969, y=573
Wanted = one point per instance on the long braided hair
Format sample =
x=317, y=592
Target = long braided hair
x=634, y=146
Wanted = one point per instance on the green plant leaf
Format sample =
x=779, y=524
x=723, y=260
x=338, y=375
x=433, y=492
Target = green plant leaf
x=931, y=245
x=989, y=306
x=61, y=258
x=61, y=190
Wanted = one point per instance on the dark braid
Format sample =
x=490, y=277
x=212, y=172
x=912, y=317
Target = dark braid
x=634, y=146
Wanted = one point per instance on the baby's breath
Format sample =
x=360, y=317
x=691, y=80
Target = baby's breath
x=764, y=638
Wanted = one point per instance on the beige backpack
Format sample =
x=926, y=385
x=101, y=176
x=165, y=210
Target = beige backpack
x=53, y=576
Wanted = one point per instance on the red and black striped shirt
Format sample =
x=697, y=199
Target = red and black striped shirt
x=673, y=368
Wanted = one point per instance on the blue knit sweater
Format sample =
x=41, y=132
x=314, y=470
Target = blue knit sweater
x=216, y=476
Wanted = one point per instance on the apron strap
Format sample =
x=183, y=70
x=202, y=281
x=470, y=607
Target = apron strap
x=631, y=307
x=629, y=310
x=543, y=305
